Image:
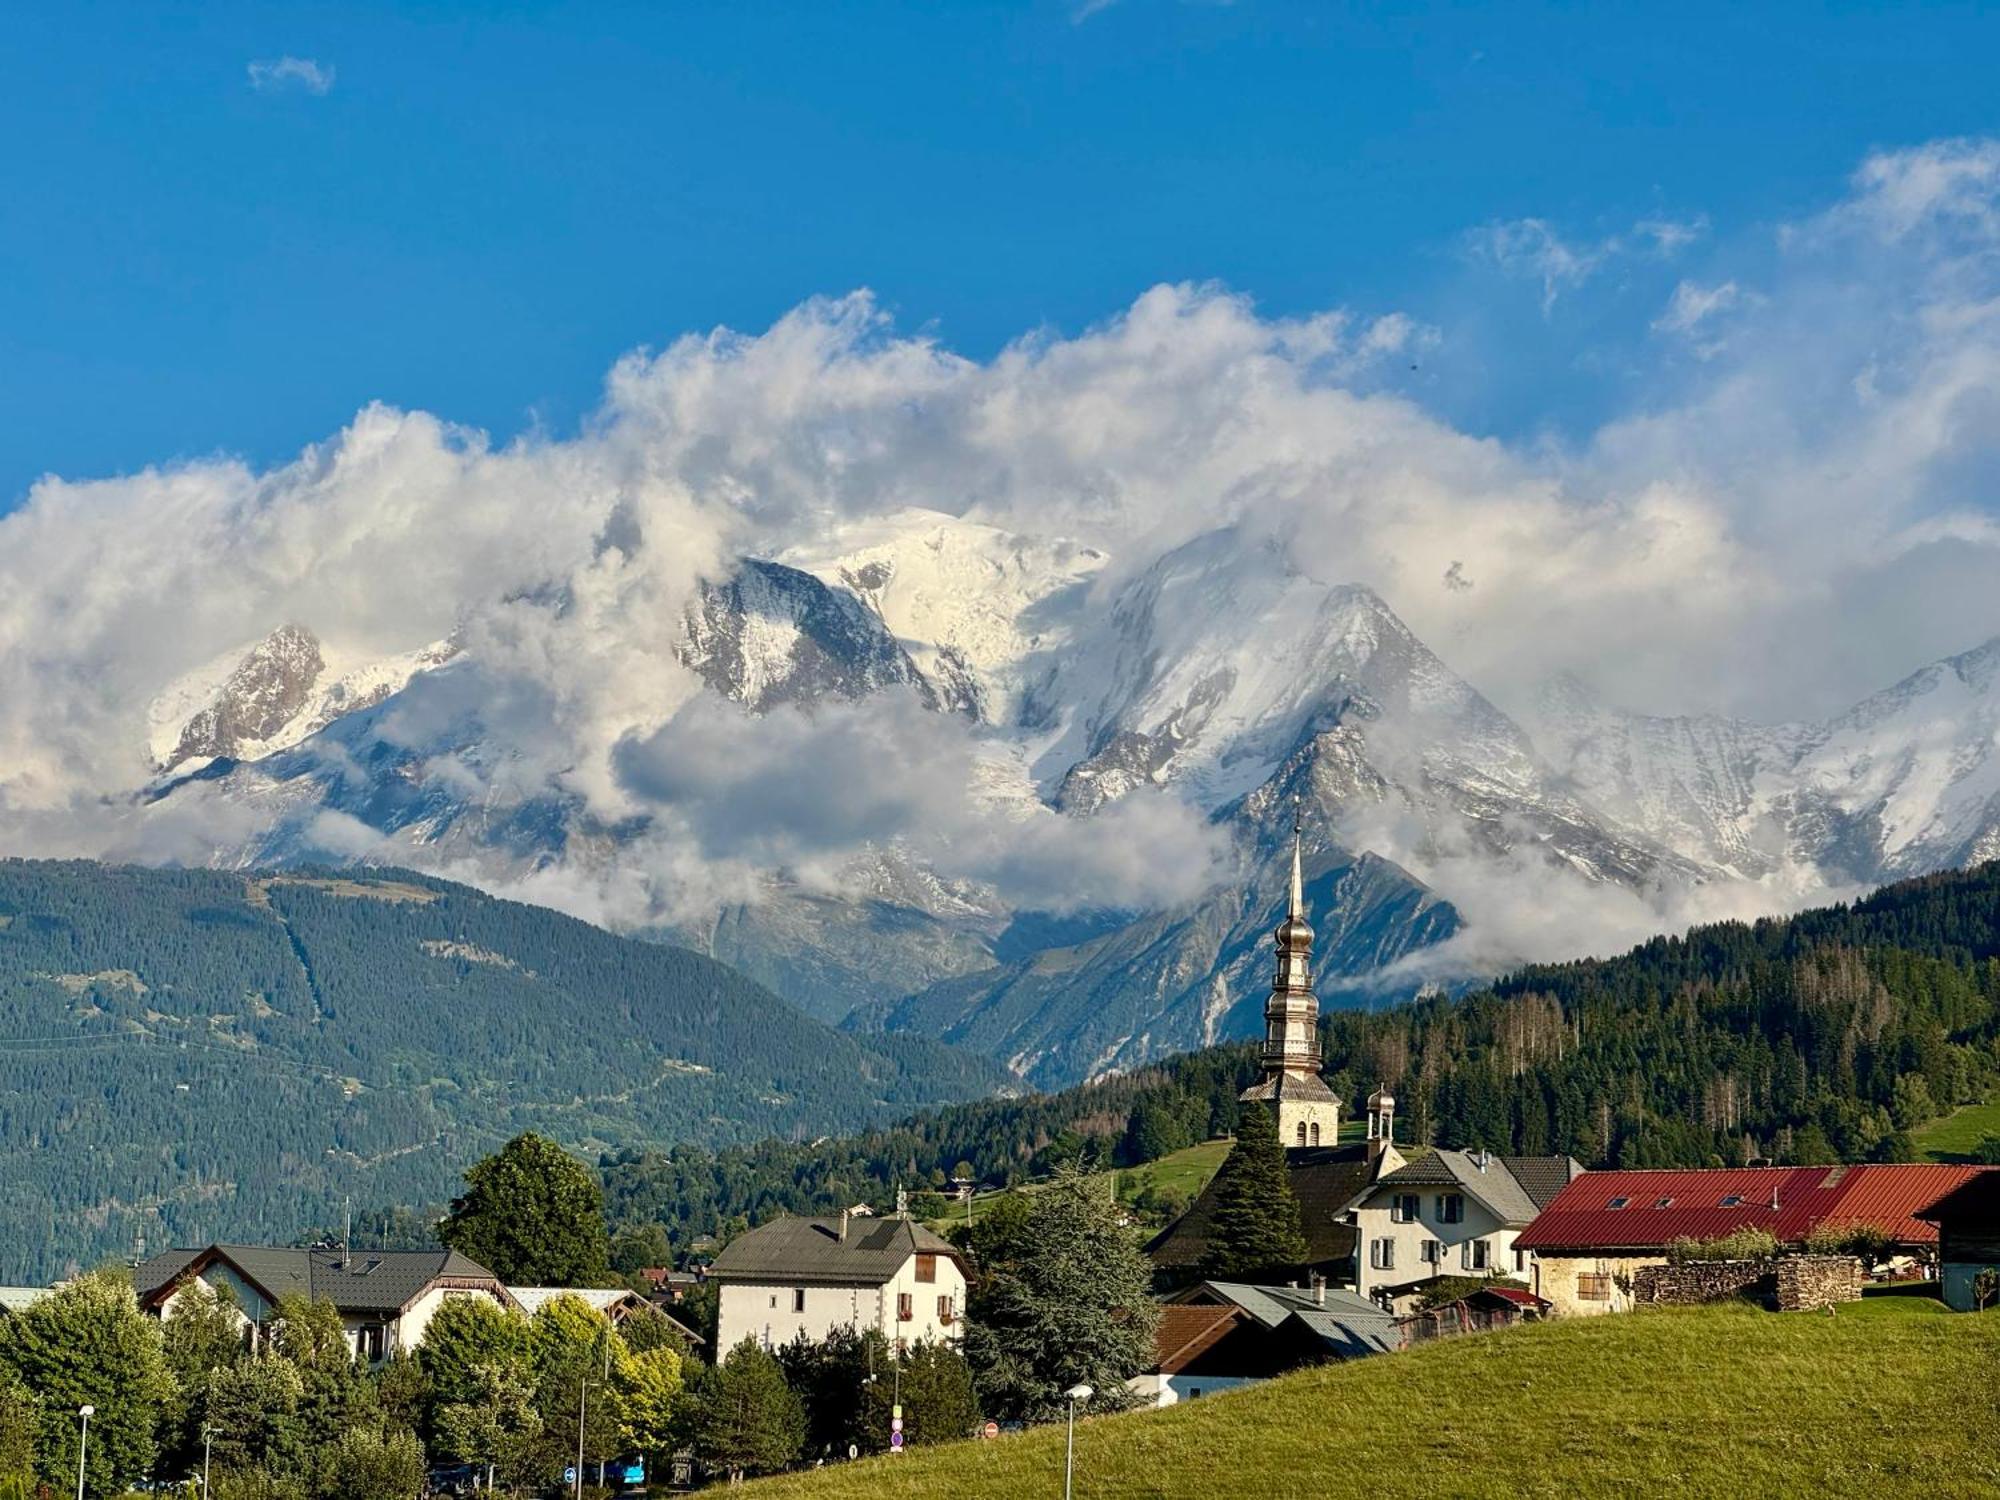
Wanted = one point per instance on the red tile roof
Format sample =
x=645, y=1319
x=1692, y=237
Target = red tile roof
x=1663, y=1206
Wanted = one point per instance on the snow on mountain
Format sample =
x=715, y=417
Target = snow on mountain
x=263, y=698
x=1905, y=782
x=973, y=605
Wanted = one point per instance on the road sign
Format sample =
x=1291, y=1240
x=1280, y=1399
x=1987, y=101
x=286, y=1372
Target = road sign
x=991, y=1429
x=896, y=1411
x=896, y=1424
x=895, y=1442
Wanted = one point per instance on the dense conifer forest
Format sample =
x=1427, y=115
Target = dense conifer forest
x=190, y=1054
x=1824, y=1037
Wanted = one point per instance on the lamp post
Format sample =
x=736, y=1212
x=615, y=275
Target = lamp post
x=1073, y=1395
x=85, y=1412
x=207, y=1442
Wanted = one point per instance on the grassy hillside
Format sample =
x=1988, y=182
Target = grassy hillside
x=1174, y=1178
x=187, y=1054
x=1893, y=1397
x=1952, y=1137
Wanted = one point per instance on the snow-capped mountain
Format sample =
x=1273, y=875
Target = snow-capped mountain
x=1907, y=781
x=1227, y=677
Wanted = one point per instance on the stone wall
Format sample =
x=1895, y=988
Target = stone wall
x=1700, y=1281
x=1810, y=1281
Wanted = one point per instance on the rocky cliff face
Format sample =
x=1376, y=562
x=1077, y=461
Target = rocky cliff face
x=266, y=691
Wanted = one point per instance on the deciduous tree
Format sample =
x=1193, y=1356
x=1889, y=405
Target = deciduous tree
x=533, y=1215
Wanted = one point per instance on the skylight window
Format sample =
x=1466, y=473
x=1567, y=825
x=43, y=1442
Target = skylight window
x=1734, y=1200
x=1663, y=1203
x=1619, y=1202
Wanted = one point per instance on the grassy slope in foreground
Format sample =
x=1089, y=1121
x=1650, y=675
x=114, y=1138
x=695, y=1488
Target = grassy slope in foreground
x=1891, y=1397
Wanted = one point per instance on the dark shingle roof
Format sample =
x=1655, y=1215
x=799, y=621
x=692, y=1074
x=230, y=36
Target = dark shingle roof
x=359, y=1281
x=812, y=1250
x=1542, y=1177
x=1325, y=1180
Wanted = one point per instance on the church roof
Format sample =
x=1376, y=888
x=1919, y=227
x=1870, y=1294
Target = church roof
x=1306, y=1088
x=1325, y=1179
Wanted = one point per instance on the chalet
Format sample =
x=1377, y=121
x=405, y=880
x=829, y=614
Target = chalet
x=1450, y=1213
x=1204, y=1348
x=1604, y=1226
x=1968, y=1226
x=1313, y=1324
x=810, y=1276
x=385, y=1298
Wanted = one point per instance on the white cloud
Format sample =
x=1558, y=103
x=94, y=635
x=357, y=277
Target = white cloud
x=272, y=75
x=1797, y=520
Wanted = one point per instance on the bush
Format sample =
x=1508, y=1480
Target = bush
x=1741, y=1244
x=1868, y=1243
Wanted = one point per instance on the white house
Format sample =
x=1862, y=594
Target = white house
x=811, y=1276
x=386, y=1298
x=1450, y=1213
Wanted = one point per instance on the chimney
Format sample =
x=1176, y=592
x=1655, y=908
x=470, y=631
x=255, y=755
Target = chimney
x=843, y=1226
x=1319, y=1290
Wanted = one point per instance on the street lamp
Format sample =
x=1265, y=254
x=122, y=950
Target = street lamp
x=207, y=1442
x=86, y=1412
x=1073, y=1395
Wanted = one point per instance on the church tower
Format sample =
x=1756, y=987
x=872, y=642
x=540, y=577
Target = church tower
x=1307, y=1111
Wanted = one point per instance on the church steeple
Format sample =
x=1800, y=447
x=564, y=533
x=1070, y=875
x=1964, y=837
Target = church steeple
x=1308, y=1114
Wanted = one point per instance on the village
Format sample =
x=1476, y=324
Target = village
x=1318, y=1242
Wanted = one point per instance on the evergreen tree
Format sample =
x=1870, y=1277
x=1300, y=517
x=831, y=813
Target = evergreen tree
x=20, y=1421
x=746, y=1419
x=934, y=1385
x=533, y=1215
x=1065, y=1300
x=1256, y=1234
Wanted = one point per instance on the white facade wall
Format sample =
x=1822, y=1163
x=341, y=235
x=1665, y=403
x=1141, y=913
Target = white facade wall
x=404, y=1331
x=1375, y=1221
x=767, y=1312
x=1563, y=1279
x=1155, y=1389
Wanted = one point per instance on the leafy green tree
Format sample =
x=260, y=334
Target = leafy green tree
x=1987, y=1152
x=577, y=1361
x=202, y=1337
x=635, y=1247
x=497, y=1427
x=88, y=1344
x=370, y=1465
x=934, y=1384
x=20, y=1421
x=468, y=1335
x=334, y=1394
x=647, y=1328
x=1256, y=1233
x=253, y=1412
x=533, y=1215
x=653, y=1405
x=1067, y=1301
x=746, y=1418
x=402, y=1391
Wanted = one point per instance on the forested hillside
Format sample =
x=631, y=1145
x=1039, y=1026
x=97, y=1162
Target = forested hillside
x=1825, y=1037
x=190, y=1054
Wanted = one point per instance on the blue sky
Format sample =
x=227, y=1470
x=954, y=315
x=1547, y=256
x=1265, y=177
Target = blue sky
x=475, y=210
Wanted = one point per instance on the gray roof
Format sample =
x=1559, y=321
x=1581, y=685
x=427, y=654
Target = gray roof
x=1498, y=1183
x=813, y=1251
x=358, y=1281
x=1349, y=1324
x=1304, y=1088
x=18, y=1299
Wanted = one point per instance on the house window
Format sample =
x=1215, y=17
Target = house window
x=1430, y=1252
x=374, y=1342
x=1520, y=1261
x=906, y=1307
x=1382, y=1254
x=1592, y=1286
x=1193, y=1392
x=945, y=1311
x=1403, y=1208
x=798, y=1299
x=927, y=1268
x=1476, y=1255
x=1451, y=1208
x=1302, y=1132
x=1617, y=1203
x=1315, y=1132
x=774, y=1302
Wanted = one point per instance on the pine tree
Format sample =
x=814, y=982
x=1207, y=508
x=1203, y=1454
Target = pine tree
x=1256, y=1233
x=747, y=1421
x=1066, y=1301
